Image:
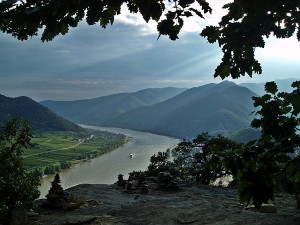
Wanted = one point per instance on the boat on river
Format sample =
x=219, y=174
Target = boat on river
x=132, y=155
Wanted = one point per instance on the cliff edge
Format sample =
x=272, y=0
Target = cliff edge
x=193, y=203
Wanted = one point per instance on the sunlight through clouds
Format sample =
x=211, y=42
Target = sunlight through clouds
x=90, y=61
x=191, y=24
x=136, y=19
x=281, y=49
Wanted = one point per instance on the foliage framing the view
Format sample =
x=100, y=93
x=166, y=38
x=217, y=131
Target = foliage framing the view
x=276, y=153
x=202, y=157
x=239, y=32
x=17, y=187
x=259, y=167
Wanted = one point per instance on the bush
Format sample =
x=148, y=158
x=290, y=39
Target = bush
x=17, y=187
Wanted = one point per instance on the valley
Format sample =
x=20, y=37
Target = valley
x=105, y=169
x=54, y=151
x=221, y=108
x=58, y=142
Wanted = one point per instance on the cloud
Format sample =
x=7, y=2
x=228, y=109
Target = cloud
x=281, y=49
x=90, y=61
x=192, y=24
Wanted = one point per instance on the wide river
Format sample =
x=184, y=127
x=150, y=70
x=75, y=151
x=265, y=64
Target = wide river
x=105, y=169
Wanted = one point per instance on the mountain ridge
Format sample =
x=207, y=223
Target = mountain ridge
x=38, y=116
x=216, y=108
x=97, y=110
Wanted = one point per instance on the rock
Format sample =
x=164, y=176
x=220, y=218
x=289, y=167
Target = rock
x=128, y=187
x=144, y=188
x=264, y=208
x=165, y=182
x=195, y=203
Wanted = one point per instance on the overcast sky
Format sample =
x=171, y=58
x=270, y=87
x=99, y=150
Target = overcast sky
x=90, y=61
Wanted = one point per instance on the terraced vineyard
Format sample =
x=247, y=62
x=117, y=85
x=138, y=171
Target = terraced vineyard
x=58, y=149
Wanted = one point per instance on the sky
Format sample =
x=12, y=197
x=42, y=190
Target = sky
x=91, y=62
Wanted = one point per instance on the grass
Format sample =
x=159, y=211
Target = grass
x=53, y=148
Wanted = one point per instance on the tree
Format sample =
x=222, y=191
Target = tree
x=202, y=157
x=260, y=167
x=158, y=163
x=239, y=32
x=272, y=162
x=260, y=164
x=17, y=187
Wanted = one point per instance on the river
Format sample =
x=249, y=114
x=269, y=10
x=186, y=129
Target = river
x=105, y=169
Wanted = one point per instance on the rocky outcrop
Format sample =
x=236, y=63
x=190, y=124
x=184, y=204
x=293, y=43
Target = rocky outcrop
x=194, y=203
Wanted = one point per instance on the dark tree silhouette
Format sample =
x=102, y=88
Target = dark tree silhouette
x=17, y=187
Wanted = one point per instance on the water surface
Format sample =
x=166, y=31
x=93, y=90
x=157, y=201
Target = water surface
x=105, y=169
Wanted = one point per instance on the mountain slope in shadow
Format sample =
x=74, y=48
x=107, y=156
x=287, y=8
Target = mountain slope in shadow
x=98, y=110
x=215, y=108
x=38, y=116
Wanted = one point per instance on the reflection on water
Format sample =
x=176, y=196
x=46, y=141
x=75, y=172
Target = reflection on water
x=106, y=168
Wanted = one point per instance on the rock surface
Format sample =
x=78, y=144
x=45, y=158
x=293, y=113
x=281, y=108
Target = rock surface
x=193, y=204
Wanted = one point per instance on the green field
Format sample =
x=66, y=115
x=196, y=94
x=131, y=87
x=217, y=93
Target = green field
x=51, y=149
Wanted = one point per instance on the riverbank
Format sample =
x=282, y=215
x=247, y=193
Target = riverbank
x=105, y=169
x=192, y=204
x=54, y=151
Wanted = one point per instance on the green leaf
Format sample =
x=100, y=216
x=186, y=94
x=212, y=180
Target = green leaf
x=286, y=109
x=167, y=27
x=185, y=3
x=296, y=104
x=212, y=33
x=64, y=28
x=156, y=11
x=294, y=172
x=296, y=84
x=188, y=14
x=226, y=69
x=256, y=123
x=205, y=6
x=257, y=67
x=197, y=12
x=271, y=87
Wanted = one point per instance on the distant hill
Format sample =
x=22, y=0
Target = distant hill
x=216, y=108
x=245, y=135
x=39, y=117
x=259, y=88
x=98, y=110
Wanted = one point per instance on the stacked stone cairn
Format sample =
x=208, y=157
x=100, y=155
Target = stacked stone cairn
x=121, y=182
x=166, y=182
x=57, y=198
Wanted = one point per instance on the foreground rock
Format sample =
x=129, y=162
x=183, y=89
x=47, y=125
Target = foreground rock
x=192, y=204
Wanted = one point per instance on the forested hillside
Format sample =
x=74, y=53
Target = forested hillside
x=214, y=108
x=40, y=117
x=98, y=110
